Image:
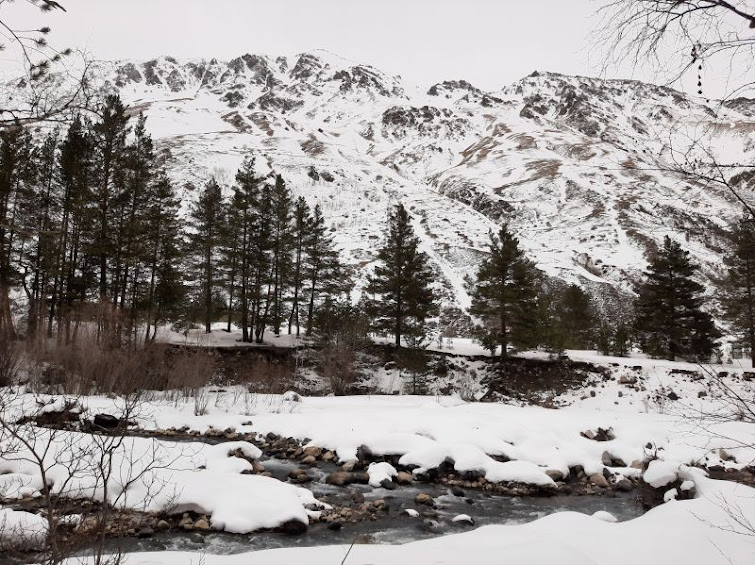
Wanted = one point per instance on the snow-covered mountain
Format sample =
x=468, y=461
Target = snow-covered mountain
x=577, y=166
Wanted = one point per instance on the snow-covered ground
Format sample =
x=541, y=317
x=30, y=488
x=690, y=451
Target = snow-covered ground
x=504, y=443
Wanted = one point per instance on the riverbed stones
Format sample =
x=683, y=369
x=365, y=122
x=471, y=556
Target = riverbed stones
x=293, y=527
x=555, y=474
x=202, y=524
x=312, y=451
x=404, y=478
x=258, y=468
x=145, y=532
x=623, y=485
x=309, y=460
x=599, y=480
x=343, y=478
x=611, y=461
x=424, y=498
x=349, y=465
x=299, y=476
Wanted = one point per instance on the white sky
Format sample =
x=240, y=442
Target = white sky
x=490, y=43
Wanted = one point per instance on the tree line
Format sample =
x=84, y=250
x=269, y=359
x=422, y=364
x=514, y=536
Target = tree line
x=515, y=307
x=90, y=230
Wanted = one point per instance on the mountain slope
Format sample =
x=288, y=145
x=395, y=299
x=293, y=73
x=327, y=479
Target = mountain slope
x=577, y=166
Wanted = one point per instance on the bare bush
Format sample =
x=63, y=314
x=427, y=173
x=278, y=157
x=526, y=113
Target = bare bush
x=201, y=401
x=265, y=376
x=86, y=366
x=97, y=468
x=338, y=367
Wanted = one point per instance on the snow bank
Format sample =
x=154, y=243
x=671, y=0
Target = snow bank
x=21, y=530
x=660, y=473
x=150, y=475
x=690, y=532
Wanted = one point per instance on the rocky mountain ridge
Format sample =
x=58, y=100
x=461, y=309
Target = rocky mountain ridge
x=579, y=167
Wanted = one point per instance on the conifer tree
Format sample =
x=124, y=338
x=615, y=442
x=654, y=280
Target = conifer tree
x=43, y=207
x=133, y=205
x=260, y=261
x=206, y=216
x=402, y=298
x=164, y=248
x=575, y=317
x=739, y=288
x=302, y=218
x=16, y=174
x=670, y=322
x=244, y=225
x=324, y=277
x=73, y=275
x=504, y=296
x=109, y=143
x=282, y=247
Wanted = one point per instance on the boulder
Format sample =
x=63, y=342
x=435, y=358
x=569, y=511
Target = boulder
x=611, y=461
x=343, y=478
x=349, y=465
x=599, y=480
x=623, y=485
x=203, y=524
x=423, y=498
x=404, y=478
x=293, y=527
x=555, y=474
x=312, y=451
x=299, y=476
x=106, y=421
x=388, y=484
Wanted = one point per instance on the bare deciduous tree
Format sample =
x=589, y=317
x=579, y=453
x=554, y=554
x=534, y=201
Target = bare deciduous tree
x=677, y=35
x=54, y=86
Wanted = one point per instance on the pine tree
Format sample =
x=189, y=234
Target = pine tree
x=282, y=248
x=400, y=285
x=163, y=247
x=16, y=175
x=670, y=322
x=73, y=275
x=132, y=207
x=109, y=143
x=261, y=261
x=575, y=317
x=504, y=296
x=739, y=288
x=301, y=223
x=43, y=207
x=206, y=216
x=324, y=276
x=244, y=224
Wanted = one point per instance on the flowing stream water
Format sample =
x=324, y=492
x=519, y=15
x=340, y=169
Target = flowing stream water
x=394, y=526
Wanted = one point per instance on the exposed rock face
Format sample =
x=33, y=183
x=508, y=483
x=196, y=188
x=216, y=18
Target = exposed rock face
x=573, y=164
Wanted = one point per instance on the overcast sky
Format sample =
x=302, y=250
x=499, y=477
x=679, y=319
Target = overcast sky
x=490, y=43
